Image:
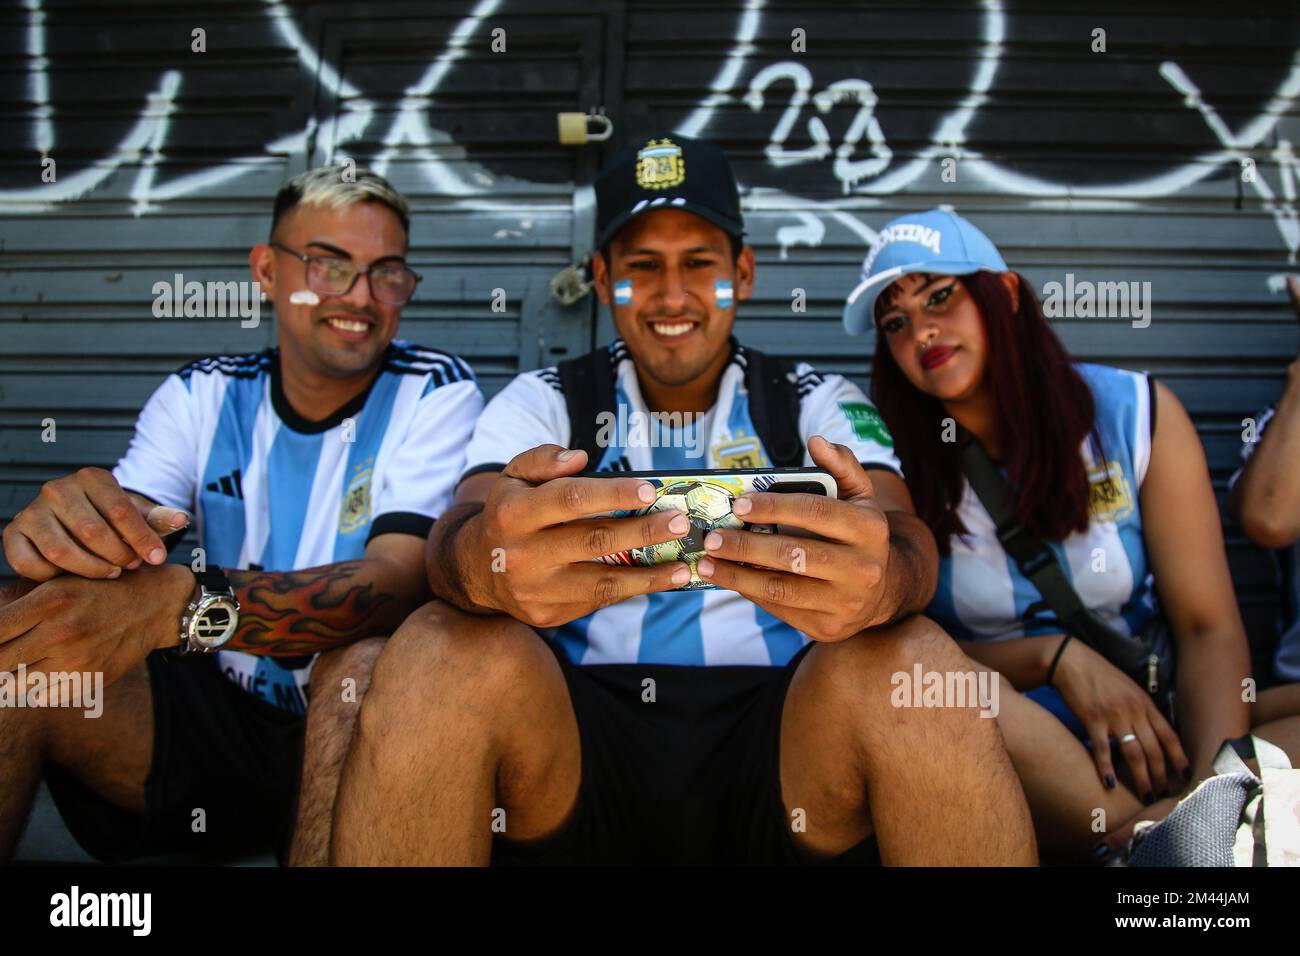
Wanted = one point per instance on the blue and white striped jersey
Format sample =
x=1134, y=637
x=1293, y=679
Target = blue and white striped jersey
x=270, y=491
x=705, y=627
x=981, y=593
x=1286, y=660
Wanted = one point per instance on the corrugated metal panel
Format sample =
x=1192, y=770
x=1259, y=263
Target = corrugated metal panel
x=1122, y=165
x=412, y=89
x=1105, y=165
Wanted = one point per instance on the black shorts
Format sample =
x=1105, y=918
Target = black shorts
x=693, y=777
x=217, y=749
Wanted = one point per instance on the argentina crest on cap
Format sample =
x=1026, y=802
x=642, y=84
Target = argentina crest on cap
x=660, y=165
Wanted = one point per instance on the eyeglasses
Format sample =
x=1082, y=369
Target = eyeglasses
x=391, y=283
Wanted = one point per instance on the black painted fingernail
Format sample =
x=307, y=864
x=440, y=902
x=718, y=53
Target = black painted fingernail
x=1110, y=781
x=1100, y=851
x=1148, y=799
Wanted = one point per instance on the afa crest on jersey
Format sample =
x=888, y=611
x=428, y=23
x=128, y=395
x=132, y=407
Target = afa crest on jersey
x=745, y=452
x=1110, y=497
x=355, y=510
x=660, y=165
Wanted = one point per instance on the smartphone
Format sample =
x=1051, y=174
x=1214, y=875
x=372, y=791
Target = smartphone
x=705, y=498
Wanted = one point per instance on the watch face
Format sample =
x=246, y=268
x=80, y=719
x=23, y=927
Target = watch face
x=214, y=622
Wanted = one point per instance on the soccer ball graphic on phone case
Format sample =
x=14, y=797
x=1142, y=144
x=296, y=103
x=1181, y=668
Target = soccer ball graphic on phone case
x=706, y=502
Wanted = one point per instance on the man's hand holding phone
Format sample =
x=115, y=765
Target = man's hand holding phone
x=535, y=544
x=830, y=586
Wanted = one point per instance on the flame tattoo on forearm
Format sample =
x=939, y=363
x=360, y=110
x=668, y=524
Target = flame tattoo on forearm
x=292, y=613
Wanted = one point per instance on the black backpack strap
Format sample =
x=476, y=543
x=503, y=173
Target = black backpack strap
x=774, y=406
x=588, y=385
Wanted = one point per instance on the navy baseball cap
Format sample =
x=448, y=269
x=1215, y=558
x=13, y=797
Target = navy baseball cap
x=937, y=241
x=666, y=171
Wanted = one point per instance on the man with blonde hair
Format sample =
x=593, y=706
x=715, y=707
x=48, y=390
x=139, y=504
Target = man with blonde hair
x=313, y=472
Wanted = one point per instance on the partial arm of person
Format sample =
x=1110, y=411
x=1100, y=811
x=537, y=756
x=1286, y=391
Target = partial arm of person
x=1184, y=539
x=872, y=562
x=86, y=524
x=1024, y=661
x=96, y=524
x=1265, y=498
x=73, y=623
x=912, y=572
x=287, y=613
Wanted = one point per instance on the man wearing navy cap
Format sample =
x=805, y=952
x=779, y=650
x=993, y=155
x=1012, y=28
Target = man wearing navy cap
x=574, y=711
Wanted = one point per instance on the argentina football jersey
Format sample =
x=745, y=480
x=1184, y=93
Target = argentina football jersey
x=981, y=593
x=701, y=627
x=271, y=491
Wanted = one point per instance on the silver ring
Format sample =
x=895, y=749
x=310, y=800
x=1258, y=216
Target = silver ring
x=1128, y=738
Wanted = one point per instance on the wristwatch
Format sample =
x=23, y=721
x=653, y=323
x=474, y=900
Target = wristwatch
x=212, y=615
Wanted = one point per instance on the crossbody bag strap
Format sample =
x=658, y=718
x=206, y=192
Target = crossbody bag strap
x=1035, y=559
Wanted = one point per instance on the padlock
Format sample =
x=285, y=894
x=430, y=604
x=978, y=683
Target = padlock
x=574, y=128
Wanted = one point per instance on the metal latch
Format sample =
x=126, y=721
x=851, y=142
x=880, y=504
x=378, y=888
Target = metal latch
x=571, y=284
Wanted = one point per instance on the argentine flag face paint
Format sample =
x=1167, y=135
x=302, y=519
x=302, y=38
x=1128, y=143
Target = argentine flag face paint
x=623, y=292
x=722, y=291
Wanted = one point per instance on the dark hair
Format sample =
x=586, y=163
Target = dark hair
x=1043, y=406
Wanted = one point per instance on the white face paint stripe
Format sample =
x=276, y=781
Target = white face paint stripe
x=305, y=297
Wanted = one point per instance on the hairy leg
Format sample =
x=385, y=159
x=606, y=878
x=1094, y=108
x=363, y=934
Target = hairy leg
x=466, y=716
x=934, y=784
x=111, y=754
x=339, y=681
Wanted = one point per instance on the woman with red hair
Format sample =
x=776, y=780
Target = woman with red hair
x=1123, y=508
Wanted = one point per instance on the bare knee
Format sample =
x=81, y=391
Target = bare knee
x=342, y=676
x=871, y=679
x=866, y=667
x=443, y=658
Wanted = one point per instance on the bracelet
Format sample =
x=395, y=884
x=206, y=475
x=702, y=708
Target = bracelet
x=1051, y=670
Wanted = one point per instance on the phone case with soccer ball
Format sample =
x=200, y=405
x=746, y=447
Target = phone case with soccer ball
x=705, y=498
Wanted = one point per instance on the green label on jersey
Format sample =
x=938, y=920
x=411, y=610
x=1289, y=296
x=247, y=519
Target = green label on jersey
x=867, y=423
